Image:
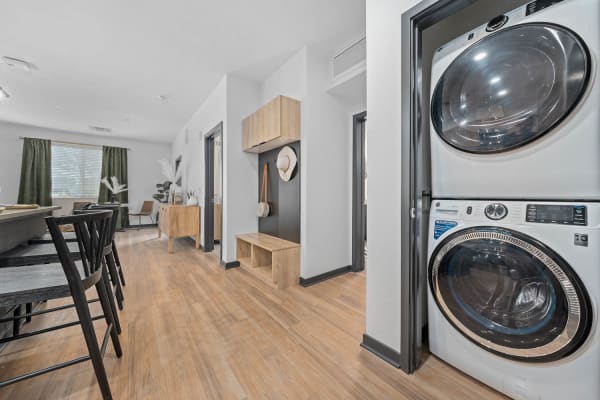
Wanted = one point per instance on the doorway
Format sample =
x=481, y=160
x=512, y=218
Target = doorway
x=213, y=191
x=359, y=193
x=422, y=26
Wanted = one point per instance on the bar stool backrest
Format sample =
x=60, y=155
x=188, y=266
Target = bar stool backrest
x=92, y=230
x=115, y=208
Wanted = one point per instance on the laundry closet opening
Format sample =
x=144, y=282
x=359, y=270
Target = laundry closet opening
x=426, y=28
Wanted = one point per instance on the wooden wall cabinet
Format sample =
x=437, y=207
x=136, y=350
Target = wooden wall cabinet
x=179, y=221
x=275, y=124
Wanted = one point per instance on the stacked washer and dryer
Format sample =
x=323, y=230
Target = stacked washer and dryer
x=514, y=245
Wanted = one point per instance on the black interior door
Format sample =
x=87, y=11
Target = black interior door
x=510, y=88
x=209, y=193
x=510, y=294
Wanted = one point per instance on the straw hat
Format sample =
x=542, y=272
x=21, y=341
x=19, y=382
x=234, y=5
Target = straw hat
x=286, y=163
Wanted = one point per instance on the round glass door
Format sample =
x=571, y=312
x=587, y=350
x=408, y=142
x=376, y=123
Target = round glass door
x=510, y=294
x=510, y=88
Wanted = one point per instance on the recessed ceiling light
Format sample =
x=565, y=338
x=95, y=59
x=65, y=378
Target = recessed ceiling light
x=4, y=94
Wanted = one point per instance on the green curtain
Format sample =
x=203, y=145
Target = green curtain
x=36, y=173
x=114, y=163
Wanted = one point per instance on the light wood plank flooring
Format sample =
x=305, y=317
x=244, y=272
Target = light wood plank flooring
x=194, y=331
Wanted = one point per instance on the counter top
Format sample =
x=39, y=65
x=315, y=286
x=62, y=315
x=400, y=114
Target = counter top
x=12, y=215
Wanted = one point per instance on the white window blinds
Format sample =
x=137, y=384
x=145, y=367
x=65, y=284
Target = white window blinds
x=75, y=171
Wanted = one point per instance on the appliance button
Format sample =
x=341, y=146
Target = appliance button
x=469, y=210
x=581, y=240
x=496, y=211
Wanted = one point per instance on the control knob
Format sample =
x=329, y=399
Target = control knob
x=496, y=211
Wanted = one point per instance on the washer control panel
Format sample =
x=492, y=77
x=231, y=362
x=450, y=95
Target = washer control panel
x=557, y=214
x=539, y=5
x=496, y=211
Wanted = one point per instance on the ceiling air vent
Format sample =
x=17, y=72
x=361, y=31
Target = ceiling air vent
x=18, y=65
x=100, y=129
x=350, y=57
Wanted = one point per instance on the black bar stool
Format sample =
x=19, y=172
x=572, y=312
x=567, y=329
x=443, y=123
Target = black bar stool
x=70, y=278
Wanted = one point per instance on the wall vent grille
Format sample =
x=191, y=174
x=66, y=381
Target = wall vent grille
x=351, y=56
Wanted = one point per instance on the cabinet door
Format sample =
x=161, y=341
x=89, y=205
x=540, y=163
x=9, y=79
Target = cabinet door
x=270, y=116
x=247, y=132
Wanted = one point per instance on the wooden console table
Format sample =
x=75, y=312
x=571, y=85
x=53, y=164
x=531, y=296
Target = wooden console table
x=274, y=260
x=179, y=221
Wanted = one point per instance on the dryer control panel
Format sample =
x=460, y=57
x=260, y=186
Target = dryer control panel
x=539, y=5
x=557, y=214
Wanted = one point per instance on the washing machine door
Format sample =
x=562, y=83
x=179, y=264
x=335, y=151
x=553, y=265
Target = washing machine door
x=510, y=294
x=510, y=88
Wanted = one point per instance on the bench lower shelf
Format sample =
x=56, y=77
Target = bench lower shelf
x=273, y=260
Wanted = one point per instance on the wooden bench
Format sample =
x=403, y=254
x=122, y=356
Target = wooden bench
x=274, y=260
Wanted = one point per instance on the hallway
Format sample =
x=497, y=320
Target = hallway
x=192, y=330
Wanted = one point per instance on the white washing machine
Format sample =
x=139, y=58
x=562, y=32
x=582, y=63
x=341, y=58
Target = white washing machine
x=513, y=295
x=515, y=106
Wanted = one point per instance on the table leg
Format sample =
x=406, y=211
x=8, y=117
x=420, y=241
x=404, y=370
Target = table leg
x=198, y=241
x=170, y=246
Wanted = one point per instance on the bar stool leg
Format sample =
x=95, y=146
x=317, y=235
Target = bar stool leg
x=17, y=321
x=111, y=301
x=28, y=310
x=109, y=316
x=118, y=261
x=114, y=277
x=87, y=326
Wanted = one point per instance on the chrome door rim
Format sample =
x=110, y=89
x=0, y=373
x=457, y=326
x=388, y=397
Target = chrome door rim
x=585, y=88
x=574, y=318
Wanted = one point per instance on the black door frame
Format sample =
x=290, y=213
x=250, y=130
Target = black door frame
x=359, y=213
x=416, y=195
x=209, y=188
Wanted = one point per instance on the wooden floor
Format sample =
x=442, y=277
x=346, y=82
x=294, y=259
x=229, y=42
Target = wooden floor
x=194, y=331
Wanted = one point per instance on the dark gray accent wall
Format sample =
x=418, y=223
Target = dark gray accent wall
x=284, y=198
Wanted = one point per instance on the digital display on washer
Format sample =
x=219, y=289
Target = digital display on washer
x=557, y=214
x=539, y=5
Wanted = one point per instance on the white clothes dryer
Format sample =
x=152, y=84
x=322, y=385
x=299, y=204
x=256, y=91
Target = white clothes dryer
x=515, y=106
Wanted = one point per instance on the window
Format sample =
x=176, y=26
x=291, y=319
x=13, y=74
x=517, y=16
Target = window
x=75, y=171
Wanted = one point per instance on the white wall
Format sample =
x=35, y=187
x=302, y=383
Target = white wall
x=240, y=191
x=144, y=171
x=232, y=100
x=327, y=188
x=325, y=160
x=189, y=143
x=384, y=126
x=288, y=80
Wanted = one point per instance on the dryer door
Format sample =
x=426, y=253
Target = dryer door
x=510, y=88
x=510, y=294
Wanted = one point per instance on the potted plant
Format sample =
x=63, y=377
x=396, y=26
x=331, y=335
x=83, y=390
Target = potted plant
x=173, y=175
x=114, y=188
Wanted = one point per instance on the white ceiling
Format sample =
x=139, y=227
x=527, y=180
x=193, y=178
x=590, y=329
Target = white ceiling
x=105, y=63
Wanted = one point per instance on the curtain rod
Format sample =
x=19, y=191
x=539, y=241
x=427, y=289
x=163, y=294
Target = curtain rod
x=75, y=143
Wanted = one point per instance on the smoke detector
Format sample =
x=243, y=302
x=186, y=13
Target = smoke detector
x=100, y=129
x=18, y=65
